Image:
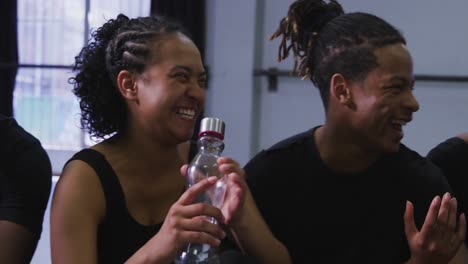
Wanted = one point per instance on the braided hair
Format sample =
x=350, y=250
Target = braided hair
x=324, y=41
x=120, y=44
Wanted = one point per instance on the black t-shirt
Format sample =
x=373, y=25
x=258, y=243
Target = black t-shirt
x=25, y=177
x=326, y=217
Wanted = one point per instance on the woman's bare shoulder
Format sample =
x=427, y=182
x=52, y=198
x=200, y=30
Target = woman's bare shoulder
x=79, y=187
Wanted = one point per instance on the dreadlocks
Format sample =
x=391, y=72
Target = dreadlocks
x=324, y=41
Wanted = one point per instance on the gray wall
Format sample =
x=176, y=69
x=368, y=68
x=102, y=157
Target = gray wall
x=230, y=57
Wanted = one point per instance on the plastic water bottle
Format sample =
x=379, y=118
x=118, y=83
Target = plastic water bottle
x=210, y=145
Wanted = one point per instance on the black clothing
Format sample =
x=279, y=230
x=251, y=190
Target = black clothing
x=327, y=217
x=25, y=177
x=451, y=156
x=119, y=235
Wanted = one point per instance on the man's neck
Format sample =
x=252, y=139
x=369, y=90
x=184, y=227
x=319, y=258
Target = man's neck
x=340, y=152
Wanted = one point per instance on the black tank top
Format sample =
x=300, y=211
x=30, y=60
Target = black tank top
x=119, y=235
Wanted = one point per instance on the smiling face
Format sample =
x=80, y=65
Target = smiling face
x=171, y=90
x=384, y=101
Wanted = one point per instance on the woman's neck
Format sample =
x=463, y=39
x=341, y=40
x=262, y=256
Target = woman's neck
x=141, y=154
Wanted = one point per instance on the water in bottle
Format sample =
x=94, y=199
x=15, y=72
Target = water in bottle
x=204, y=164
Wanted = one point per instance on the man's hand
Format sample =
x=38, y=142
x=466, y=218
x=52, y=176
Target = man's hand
x=440, y=238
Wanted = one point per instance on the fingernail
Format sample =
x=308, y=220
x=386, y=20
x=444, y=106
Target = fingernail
x=212, y=179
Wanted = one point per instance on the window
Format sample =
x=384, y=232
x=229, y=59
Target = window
x=50, y=34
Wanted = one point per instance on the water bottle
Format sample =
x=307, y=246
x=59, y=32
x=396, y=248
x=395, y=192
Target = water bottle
x=210, y=145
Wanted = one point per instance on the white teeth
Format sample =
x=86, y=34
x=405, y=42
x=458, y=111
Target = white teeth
x=186, y=113
x=399, y=122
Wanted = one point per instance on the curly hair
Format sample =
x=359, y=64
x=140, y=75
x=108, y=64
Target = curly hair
x=120, y=44
x=324, y=41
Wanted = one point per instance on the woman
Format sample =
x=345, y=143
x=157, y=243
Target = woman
x=140, y=83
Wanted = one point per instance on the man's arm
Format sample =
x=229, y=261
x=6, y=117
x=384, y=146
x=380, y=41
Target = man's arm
x=461, y=257
x=25, y=183
x=17, y=243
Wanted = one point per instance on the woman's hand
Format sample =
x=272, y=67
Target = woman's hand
x=186, y=223
x=236, y=189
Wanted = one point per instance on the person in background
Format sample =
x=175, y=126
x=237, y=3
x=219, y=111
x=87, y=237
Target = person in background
x=451, y=156
x=25, y=182
x=140, y=84
x=342, y=192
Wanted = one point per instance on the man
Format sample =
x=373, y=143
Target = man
x=451, y=156
x=25, y=182
x=367, y=203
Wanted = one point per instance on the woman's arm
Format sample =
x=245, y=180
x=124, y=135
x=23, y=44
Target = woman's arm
x=78, y=205
x=255, y=237
x=242, y=215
